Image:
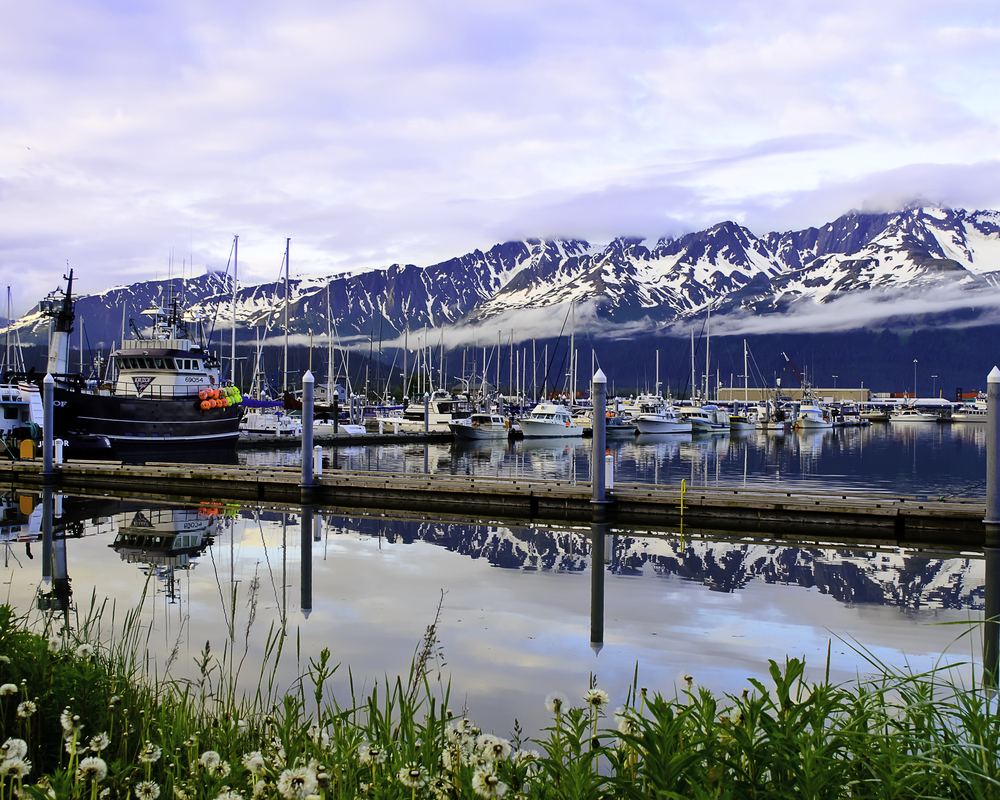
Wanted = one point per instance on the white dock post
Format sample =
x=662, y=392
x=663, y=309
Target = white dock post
x=308, y=387
x=318, y=459
x=48, y=415
x=598, y=402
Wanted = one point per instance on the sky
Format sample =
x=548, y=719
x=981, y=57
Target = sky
x=138, y=138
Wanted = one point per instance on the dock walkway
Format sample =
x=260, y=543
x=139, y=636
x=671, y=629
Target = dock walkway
x=891, y=517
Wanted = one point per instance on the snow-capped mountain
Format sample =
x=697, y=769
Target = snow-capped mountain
x=933, y=252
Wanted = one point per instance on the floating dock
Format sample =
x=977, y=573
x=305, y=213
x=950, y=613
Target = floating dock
x=903, y=519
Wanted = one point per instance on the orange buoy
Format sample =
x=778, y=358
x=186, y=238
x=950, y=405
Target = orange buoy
x=203, y=394
x=206, y=404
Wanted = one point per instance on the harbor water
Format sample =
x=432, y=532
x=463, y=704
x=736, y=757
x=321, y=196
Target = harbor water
x=518, y=615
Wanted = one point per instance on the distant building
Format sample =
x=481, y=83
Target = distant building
x=826, y=395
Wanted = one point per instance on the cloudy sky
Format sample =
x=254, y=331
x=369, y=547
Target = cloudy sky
x=389, y=131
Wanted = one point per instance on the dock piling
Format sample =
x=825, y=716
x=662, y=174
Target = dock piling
x=48, y=417
x=308, y=396
x=991, y=634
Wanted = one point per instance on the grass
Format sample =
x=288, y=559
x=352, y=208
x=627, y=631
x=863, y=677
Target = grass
x=82, y=717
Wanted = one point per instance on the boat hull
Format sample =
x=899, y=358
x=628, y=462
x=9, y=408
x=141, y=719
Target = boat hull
x=476, y=433
x=139, y=428
x=531, y=429
x=653, y=424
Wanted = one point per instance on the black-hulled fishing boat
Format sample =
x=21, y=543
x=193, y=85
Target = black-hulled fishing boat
x=166, y=401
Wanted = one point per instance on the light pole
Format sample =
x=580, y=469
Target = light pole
x=835, y=381
x=914, y=379
x=934, y=389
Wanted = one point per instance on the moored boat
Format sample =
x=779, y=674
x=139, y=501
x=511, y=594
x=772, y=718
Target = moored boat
x=812, y=417
x=549, y=420
x=657, y=417
x=481, y=426
x=168, y=400
x=906, y=415
x=705, y=419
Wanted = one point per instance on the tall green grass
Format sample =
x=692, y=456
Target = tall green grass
x=106, y=724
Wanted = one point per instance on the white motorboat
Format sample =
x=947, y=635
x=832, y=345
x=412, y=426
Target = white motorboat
x=657, y=417
x=975, y=412
x=481, y=426
x=812, y=417
x=549, y=420
x=442, y=410
x=269, y=422
x=705, y=419
x=911, y=415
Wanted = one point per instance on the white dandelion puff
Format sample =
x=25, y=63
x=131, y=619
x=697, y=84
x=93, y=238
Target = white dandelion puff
x=92, y=768
x=85, y=651
x=99, y=742
x=556, y=702
x=297, y=784
x=254, y=763
x=209, y=758
x=17, y=768
x=26, y=709
x=150, y=753
x=8, y=688
x=14, y=748
x=147, y=790
x=412, y=775
x=596, y=698
x=485, y=783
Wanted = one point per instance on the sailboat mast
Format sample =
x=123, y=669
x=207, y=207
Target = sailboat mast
x=288, y=245
x=236, y=262
x=657, y=373
x=692, y=365
x=746, y=377
x=708, y=340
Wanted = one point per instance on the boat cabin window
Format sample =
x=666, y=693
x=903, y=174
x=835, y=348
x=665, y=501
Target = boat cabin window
x=170, y=363
x=159, y=363
x=10, y=413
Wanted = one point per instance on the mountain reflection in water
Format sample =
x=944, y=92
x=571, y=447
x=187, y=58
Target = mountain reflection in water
x=517, y=619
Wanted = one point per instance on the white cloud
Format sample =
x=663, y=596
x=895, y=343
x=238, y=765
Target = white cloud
x=391, y=131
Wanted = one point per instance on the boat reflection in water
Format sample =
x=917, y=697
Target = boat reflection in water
x=520, y=616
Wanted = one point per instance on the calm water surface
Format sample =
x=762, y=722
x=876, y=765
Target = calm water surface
x=911, y=459
x=517, y=612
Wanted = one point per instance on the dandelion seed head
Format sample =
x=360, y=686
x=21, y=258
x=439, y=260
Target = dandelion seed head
x=54, y=644
x=297, y=784
x=147, y=790
x=596, y=698
x=92, y=768
x=371, y=755
x=254, y=763
x=555, y=702
x=4, y=660
x=259, y=788
x=26, y=709
x=412, y=775
x=219, y=770
x=229, y=794
x=16, y=768
x=150, y=753
x=85, y=651
x=73, y=746
x=8, y=688
x=99, y=742
x=14, y=748
x=485, y=783
x=209, y=758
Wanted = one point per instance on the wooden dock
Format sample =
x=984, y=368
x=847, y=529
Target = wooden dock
x=904, y=519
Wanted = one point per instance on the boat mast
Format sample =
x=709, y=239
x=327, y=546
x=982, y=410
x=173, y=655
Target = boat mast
x=236, y=261
x=329, y=351
x=288, y=244
x=657, y=373
x=708, y=340
x=692, y=365
x=62, y=327
x=746, y=377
